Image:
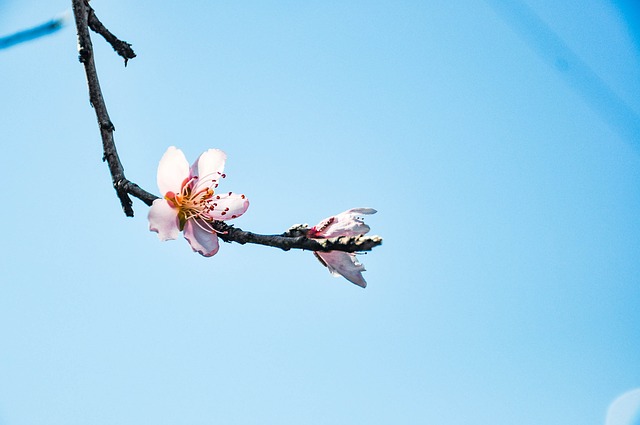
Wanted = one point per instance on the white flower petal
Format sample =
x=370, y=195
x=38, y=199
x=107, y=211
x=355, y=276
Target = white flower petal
x=209, y=167
x=204, y=242
x=163, y=219
x=228, y=206
x=172, y=171
x=344, y=264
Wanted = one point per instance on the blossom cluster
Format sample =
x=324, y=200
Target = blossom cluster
x=191, y=204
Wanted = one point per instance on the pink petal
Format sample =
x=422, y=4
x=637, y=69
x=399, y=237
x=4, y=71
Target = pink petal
x=163, y=219
x=343, y=264
x=228, y=206
x=209, y=167
x=172, y=171
x=202, y=240
x=348, y=223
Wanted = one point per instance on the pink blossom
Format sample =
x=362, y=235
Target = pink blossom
x=339, y=263
x=190, y=203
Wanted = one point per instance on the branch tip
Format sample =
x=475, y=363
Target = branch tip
x=121, y=47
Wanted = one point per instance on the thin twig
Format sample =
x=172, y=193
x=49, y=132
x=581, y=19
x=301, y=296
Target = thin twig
x=85, y=49
x=138, y=192
x=121, y=47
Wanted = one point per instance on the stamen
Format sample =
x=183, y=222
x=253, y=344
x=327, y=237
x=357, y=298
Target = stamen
x=208, y=180
x=187, y=185
x=209, y=226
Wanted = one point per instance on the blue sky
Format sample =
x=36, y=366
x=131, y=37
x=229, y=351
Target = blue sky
x=496, y=142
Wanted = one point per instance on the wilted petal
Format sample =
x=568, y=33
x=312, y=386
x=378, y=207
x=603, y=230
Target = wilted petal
x=172, y=171
x=348, y=223
x=209, y=167
x=343, y=264
x=163, y=219
x=202, y=240
x=229, y=205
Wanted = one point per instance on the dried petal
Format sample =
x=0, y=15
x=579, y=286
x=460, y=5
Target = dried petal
x=344, y=264
x=339, y=263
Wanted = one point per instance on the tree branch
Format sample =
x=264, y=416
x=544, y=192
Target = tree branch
x=294, y=238
x=85, y=50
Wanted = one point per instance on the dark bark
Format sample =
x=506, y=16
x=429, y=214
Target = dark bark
x=121, y=47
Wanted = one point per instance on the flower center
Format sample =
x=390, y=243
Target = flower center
x=194, y=202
